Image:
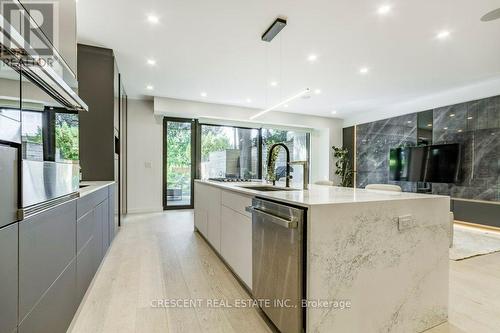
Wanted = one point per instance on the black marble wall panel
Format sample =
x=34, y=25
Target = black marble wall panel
x=373, y=143
x=475, y=125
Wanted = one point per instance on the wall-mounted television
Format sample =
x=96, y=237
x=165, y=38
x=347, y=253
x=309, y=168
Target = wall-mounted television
x=432, y=164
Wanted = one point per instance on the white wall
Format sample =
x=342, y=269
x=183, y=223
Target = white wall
x=145, y=150
x=145, y=153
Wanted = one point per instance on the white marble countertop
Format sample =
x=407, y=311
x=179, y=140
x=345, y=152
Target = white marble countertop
x=92, y=186
x=319, y=194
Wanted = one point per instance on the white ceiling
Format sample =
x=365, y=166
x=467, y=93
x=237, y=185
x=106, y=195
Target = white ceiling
x=214, y=46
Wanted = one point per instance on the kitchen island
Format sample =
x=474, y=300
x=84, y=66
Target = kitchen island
x=382, y=254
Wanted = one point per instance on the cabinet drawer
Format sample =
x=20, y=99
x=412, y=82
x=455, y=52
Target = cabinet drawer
x=85, y=227
x=47, y=244
x=86, y=266
x=236, y=243
x=8, y=278
x=90, y=201
x=55, y=310
x=236, y=202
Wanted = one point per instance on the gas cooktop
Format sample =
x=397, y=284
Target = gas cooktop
x=233, y=180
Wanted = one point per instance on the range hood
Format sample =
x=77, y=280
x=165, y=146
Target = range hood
x=36, y=68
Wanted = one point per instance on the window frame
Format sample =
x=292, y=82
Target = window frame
x=260, y=142
x=198, y=146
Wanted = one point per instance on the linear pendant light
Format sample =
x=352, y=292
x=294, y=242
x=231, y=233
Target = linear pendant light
x=281, y=103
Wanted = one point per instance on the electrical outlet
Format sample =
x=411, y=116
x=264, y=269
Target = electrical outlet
x=406, y=222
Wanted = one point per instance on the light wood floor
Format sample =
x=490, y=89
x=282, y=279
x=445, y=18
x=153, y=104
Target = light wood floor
x=158, y=256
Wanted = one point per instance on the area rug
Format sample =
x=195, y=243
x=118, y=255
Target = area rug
x=471, y=242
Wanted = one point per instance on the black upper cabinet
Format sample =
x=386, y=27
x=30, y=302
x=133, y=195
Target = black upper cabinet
x=103, y=130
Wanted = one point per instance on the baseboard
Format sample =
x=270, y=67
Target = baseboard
x=145, y=210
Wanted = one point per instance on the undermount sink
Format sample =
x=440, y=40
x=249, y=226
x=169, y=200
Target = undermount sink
x=264, y=188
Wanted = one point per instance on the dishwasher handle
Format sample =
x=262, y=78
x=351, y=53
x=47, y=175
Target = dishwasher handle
x=286, y=223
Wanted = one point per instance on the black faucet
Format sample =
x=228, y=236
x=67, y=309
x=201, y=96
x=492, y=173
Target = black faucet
x=276, y=145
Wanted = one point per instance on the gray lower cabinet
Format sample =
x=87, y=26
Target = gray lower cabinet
x=8, y=278
x=47, y=244
x=105, y=226
x=92, y=241
x=111, y=212
x=56, y=308
x=86, y=258
x=60, y=251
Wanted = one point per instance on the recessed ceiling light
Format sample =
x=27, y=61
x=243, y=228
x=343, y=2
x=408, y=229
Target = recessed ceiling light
x=151, y=62
x=203, y=94
x=149, y=87
x=312, y=58
x=285, y=106
x=317, y=91
x=452, y=115
x=469, y=118
x=249, y=100
x=445, y=128
x=153, y=19
x=459, y=131
x=334, y=112
x=384, y=9
x=364, y=70
x=429, y=125
x=409, y=121
x=273, y=84
x=444, y=34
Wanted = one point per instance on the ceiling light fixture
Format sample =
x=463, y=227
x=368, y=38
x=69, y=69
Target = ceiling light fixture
x=443, y=34
x=286, y=101
x=273, y=30
x=312, y=58
x=364, y=70
x=285, y=106
x=452, y=115
x=334, y=112
x=469, y=118
x=317, y=91
x=273, y=84
x=151, y=62
x=203, y=94
x=409, y=121
x=149, y=87
x=493, y=15
x=429, y=125
x=153, y=19
x=249, y=100
x=384, y=9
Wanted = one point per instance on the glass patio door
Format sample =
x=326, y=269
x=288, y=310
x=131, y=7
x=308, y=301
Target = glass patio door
x=178, y=163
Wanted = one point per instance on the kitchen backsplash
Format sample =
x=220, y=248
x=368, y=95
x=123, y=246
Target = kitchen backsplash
x=475, y=125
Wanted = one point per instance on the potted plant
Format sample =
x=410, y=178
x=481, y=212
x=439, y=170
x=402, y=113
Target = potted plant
x=343, y=167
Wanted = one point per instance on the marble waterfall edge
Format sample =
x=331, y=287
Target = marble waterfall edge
x=395, y=280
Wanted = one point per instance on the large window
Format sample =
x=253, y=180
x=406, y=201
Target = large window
x=229, y=152
x=32, y=136
x=66, y=130
x=235, y=152
x=297, y=143
x=50, y=135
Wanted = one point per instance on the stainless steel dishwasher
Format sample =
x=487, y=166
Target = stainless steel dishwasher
x=278, y=262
